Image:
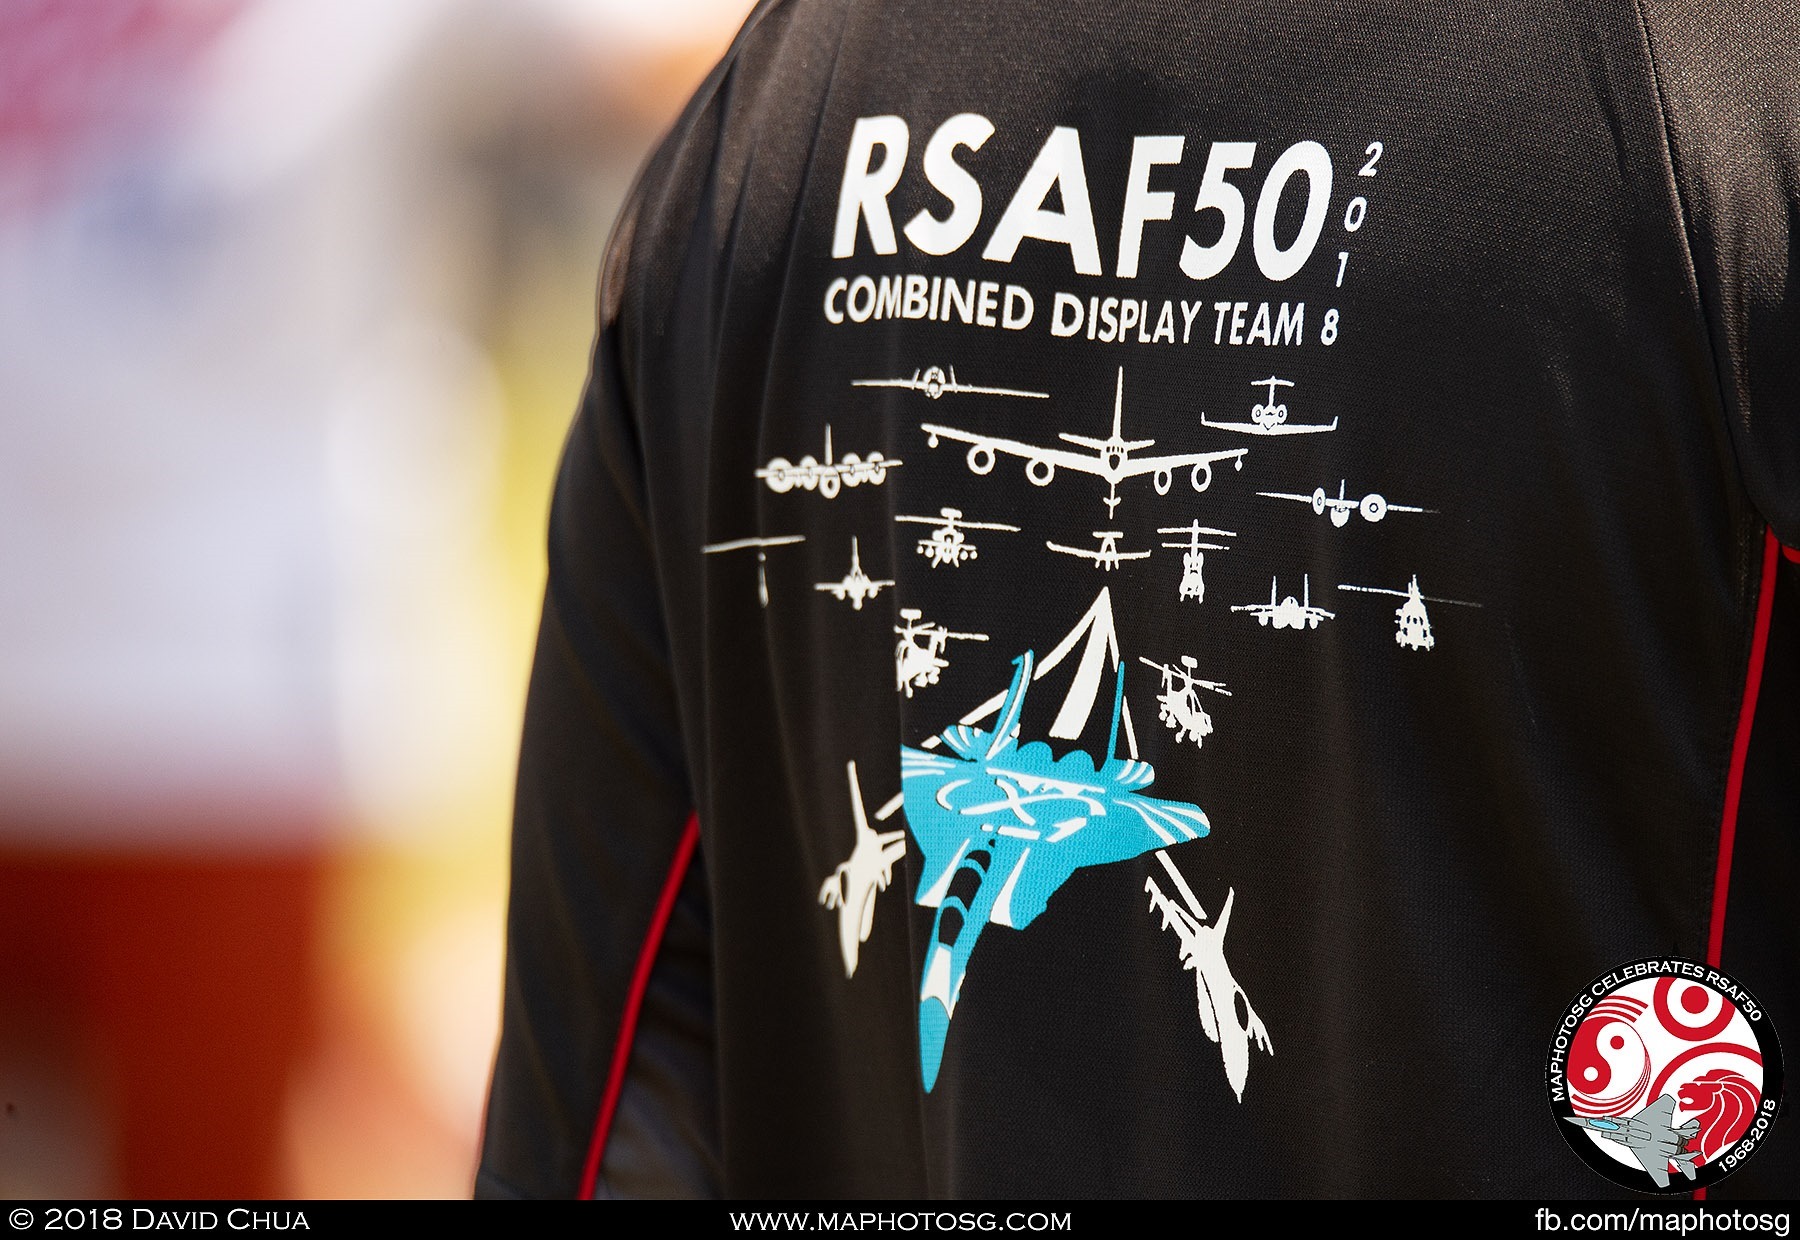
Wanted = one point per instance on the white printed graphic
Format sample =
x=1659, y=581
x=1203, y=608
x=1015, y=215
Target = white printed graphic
x=762, y=546
x=1099, y=641
x=919, y=654
x=852, y=887
x=1216, y=991
x=1178, y=705
x=947, y=544
x=1372, y=506
x=856, y=585
x=1107, y=556
x=1288, y=614
x=828, y=475
x=1414, y=625
x=1111, y=459
x=1268, y=417
x=1193, y=559
x=934, y=383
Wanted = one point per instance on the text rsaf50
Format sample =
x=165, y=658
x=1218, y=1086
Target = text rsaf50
x=863, y=198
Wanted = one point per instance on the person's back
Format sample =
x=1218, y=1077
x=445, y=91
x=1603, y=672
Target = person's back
x=1200, y=570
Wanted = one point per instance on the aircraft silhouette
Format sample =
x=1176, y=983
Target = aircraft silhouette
x=1413, y=624
x=827, y=476
x=1108, y=556
x=947, y=544
x=1193, y=556
x=1268, y=417
x=1372, y=506
x=1288, y=614
x=1179, y=703
x=857, y=586
x=761, y=546
x=1002, y=825
x=919, y=654
x=852, y=887
x=1216, y=991
x=1111, y=458
x=935, y=383
x=1651, y=1137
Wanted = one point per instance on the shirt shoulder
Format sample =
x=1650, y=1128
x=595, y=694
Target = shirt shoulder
x=1728, y=77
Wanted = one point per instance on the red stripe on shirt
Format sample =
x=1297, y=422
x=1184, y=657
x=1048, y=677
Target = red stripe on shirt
x=634, y=1002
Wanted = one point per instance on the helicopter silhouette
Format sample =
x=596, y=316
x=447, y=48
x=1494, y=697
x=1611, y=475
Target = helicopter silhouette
x=1268, y=417
x=856, y=585
x=1413, y=629
x=1372, y=506
x=947, y=544
x=1288, y=614
x=1107, y=558
x=1111, y=458
x=934, y=383
x=1179, y=703
x=1193, y=559
x=919, y=654
x=829, y=475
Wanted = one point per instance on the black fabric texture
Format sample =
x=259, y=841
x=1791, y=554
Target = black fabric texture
x=665, y=1133
x=1761, y=923
x=1727, y=76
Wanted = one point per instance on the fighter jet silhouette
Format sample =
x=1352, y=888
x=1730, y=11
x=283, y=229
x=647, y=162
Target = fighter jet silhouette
x=1218, y=997
x=856, y=585
x=851, y=888
x=1649, y=1136
x=1001, y=826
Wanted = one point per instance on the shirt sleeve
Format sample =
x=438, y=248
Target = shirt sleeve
x=607, y=932
x=1728, y=72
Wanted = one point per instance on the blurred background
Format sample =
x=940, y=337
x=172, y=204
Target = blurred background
x=295, y=304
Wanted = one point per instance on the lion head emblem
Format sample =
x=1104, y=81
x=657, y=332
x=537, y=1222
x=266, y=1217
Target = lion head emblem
x=1725, y=1102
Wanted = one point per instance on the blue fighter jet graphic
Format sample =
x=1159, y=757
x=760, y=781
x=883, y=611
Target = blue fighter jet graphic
x=1001, y=826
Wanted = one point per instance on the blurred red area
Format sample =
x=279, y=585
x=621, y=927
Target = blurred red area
x=179, y=993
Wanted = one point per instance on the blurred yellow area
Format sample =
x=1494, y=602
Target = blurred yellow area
x=411, y=925
x=296, y=298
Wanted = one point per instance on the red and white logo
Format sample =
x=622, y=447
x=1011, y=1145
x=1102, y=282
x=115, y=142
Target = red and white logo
x=1664, y=1075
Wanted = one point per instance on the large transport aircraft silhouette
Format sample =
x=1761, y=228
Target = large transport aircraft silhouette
x=1110, y=459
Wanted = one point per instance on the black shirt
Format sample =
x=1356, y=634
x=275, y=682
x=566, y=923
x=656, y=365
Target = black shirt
x=1198, y=568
